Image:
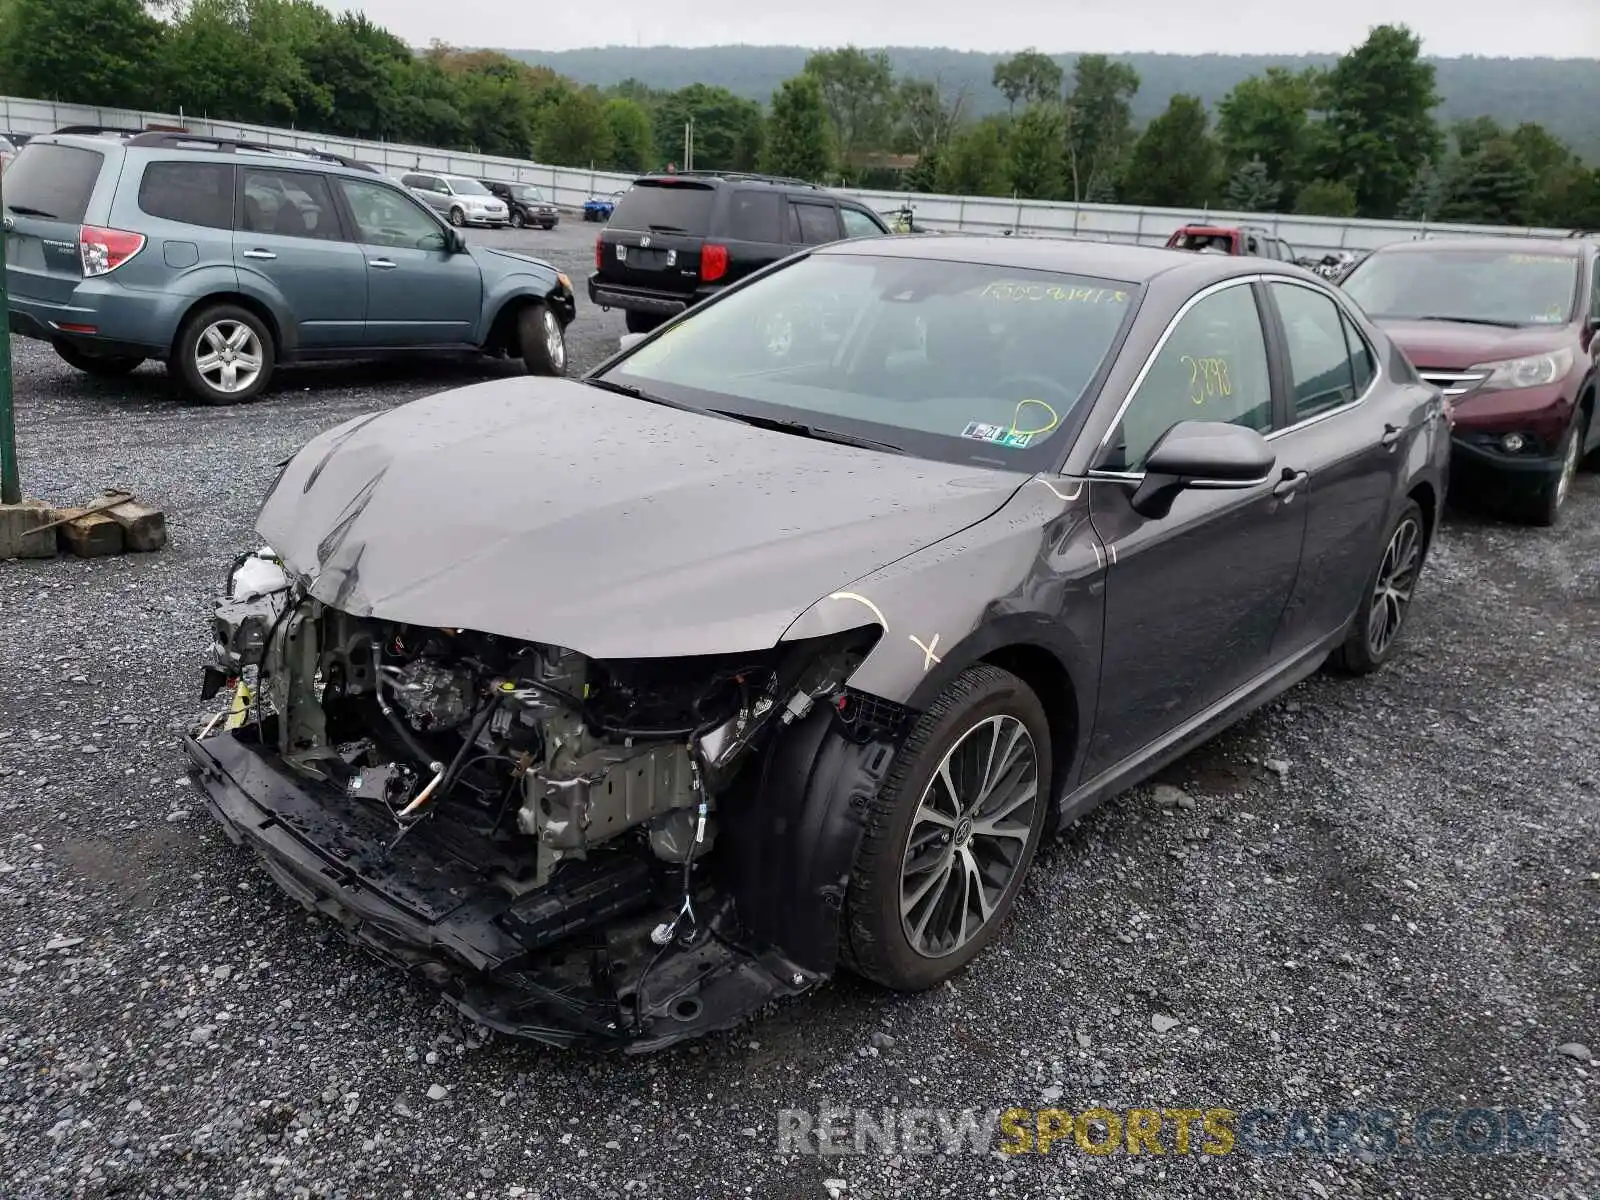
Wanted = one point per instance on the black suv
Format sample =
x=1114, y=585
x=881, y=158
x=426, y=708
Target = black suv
x=675, y=239
x=528, y=205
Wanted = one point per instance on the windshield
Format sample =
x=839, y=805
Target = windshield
x=467, y=187
x=949, y=360
x=524, y=191
x=1497, y=287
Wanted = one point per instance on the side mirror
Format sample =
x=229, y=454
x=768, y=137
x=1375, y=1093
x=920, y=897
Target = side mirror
x=1202, y=455
x=454, y=242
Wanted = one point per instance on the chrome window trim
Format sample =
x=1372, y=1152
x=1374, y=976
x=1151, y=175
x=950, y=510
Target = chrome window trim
x=1204, y=293
x=1377, y=366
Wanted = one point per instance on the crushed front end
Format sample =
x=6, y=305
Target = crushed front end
x=616, y=853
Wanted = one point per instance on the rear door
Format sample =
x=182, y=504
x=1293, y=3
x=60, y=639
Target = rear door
x=752, y=229
x=289, y=240
x=48, y=189
x=419, y=293
x=654, y=237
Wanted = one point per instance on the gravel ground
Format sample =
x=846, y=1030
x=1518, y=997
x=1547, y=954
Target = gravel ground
x=1375, y=894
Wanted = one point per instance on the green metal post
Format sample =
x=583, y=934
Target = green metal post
x=10, y=481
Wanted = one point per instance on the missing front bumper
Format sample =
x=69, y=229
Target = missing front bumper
x=565, y=965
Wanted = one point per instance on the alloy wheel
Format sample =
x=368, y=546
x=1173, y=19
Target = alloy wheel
x=969, y=836
x=228, y=356
x=1397, y=579
x=555, y=345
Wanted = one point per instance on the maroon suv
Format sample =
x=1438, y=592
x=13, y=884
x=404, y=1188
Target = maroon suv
x=1506, y=328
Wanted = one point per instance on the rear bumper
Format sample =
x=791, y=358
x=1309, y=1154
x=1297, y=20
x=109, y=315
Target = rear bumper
x=115, y=332
x=429, y=904
x=645, y=300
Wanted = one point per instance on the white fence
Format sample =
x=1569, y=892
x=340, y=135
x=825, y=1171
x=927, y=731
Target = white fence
x=570, y=187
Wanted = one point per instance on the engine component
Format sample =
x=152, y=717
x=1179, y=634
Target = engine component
x=387, y=783
x=258, y=591
x=432, y=695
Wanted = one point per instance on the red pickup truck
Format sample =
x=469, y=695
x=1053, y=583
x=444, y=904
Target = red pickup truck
x=1225, y=239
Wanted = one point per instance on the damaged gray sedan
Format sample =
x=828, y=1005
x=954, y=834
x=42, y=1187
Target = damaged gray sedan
x=620, y=707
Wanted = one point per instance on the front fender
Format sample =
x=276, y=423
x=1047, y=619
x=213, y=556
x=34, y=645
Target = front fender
x=546, y=286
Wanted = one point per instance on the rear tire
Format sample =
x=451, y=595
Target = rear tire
x=639, y=322
x=216, y=338
x=457, y=218
x=1392, y=585
x=933, y=831
x=542, y=341
x=106, y=366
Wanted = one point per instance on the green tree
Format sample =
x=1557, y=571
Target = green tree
x=1174, y=162
x=1426, y=197
x=1326, y=198
x=727, y=129
x=1036, y=153
x=1378, y=125
x=927, y=118
x=1491, y=186
x=574, y=132
x=975, y=162
x=1268, y=117
x=83, y=51
x=632, y=143
x=858, y=93
x=1252, y=189
x=1028, y=77
x=797, y=141
x=1099, y=120
x=363, y=66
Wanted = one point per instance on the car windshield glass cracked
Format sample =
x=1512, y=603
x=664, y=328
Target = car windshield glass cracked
x=972, y=357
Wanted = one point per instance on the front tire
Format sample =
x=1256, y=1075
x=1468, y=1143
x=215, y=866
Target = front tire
x=225, y=355
x=542, y=340
x=106, y=366
x=1542, y=505
x=951, y=834
x=1387, y=600
x=517, y=221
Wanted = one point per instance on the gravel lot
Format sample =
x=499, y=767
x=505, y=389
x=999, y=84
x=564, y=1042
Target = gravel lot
x=1380, y=893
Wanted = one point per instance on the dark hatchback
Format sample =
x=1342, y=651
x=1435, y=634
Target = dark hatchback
x=1506, y=328
x=675, y=239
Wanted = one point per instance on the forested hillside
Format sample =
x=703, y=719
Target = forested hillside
x=1561, y=94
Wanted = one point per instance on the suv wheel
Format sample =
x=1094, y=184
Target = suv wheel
x=457, y=217
x=950, y=835
x=542, y=340
x=225, y=355
x=517, y=219
x=107, y=366
x=1542, y=505
x=639, y=322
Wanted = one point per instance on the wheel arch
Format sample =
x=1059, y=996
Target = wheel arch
x=251, y=304
x=1427, y=499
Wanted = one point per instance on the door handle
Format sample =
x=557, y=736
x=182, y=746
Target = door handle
x=1291, y=483
x=1391, y=435
x=259, y=254
x=383, y=264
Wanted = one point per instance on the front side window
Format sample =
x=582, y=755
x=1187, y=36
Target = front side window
x=195, y=193
x=1477, y=287
x=858, y=224
x=289, y=204
x=955, y=361
x=385, y=217
x=1319, y=354
x=1213, y=367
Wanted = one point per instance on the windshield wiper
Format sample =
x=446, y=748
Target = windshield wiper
x=24, y=210
x=623, y=389
x=816, y=432
x=1473, y=321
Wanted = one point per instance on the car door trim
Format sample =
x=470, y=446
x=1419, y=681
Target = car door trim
x=1277, y=318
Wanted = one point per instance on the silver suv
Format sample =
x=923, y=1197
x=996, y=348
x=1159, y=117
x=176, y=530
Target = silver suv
x=463, y=200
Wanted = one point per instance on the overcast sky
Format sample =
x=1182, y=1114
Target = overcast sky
x=1560, y=28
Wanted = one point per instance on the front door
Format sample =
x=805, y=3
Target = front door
x=1194, y=598
x=419, y=293
x=288, y=241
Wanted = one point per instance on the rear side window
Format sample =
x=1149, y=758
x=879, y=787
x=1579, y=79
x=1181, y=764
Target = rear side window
x=755, y=217
x=665, y=208
x=196, y=193
x=52, y=181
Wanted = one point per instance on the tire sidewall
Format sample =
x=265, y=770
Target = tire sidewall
x=531, y=340
x=877, y=909
x=1358, y=656
x=194, y=383
x=1545, y=505
x=458, y=218
x=517, y=220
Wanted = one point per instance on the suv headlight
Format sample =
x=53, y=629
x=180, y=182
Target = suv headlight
x=1536, y=370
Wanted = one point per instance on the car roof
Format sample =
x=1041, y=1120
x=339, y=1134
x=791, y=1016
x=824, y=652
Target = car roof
x=1559, y=247
x=1105, y=260
x=742, y=178
x=172, y=145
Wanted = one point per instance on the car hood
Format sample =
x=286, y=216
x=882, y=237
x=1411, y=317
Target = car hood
x=1455, y=346
x=490, y=256
x=550, y=511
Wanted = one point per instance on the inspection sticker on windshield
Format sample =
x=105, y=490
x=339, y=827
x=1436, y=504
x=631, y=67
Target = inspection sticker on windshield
x=1000, y=435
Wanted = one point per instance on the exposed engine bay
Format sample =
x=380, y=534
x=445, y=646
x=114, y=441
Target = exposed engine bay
x=576, y=850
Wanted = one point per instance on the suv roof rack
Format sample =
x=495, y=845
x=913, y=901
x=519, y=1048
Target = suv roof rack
x=736, y=176
x=93, y=130
x=174, y=140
